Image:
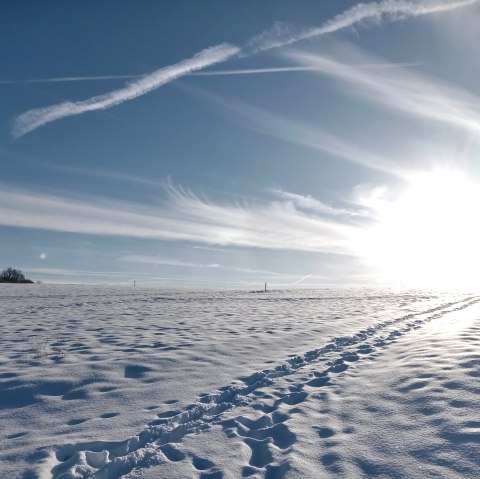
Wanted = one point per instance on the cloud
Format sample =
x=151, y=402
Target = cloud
x=303, y=278
x=111, y=175
x=297, y=132
x=71, y=79
x=374, y=12
x=72, y=272
x=309, y=203
x=156, y=261
x=271, y=225
x=280, y=35
x=243, y=71
x=121, y=277
x=35, y=118
x=400, y=89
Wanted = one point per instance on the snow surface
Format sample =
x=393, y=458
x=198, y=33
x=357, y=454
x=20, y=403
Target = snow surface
x=109, y=382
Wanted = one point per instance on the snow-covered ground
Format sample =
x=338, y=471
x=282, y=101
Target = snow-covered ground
x=107, y=382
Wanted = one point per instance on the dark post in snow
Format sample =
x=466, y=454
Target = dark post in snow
x=265, y=286
x=134, y=282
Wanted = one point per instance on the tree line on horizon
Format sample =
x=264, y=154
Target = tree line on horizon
x=12, y=275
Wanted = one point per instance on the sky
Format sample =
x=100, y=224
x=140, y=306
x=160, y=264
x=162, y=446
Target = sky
x=222, y=144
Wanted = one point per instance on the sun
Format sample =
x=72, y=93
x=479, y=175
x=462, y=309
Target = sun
x=430, y=235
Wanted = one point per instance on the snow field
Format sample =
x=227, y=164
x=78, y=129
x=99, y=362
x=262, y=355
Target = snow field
x=131, y=383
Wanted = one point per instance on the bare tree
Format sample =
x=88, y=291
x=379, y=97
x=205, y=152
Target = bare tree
x=12, y=275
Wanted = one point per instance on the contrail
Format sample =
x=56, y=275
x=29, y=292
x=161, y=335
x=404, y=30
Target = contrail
x=245, y=71
x=71, y=79
x=386, y=10
x=37, y=117
x=302, y=278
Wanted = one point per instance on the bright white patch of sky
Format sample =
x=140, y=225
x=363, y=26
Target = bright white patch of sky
x=284, y=173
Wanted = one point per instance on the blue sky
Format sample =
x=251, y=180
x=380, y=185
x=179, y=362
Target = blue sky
x=225, y=143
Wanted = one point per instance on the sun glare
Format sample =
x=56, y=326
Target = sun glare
x=429, y=236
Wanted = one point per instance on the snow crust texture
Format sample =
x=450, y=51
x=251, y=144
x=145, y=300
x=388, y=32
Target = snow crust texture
x=120, y=382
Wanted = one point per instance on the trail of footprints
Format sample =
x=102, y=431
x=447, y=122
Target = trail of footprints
x=255, y=411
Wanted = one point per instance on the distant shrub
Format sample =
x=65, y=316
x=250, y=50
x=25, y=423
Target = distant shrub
x=12, y=275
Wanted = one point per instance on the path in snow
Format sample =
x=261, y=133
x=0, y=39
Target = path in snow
x=253, y=413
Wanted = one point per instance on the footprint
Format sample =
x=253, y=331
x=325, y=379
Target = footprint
x=326, y=432
x=413, y=385
x=277, y=472
x=261, y=455
x=338, y=367
x=78, y=394
x=74, y=422
x=172, y=454
x=281, y=435
x=109, y=414
x=294, y=398
x=294, y=410
x=260, y=423
x=278, y=417
x=329, y=459
x=318, y=382
x=364, y=349
x=211, y=475
x=453, y=385
x=107, y=389
x=167, y=414
x=248, y=471
x=350, y=357
x=134, y=371
x=202, y=464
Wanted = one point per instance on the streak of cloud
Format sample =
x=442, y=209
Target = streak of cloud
x=302, y=279
x=244, y=71
x=70, y=272
x=375, y=12
x=312, y=204
x=37, y=117
x=70, y=79
x=297, y=132
x=152, y=260
x=270, y=225
x=156, y=261
x=402, y=90
x=279, y=36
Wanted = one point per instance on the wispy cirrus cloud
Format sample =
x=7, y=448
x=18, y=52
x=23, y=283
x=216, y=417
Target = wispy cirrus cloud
x=185, y=216
x=401, y=89
x=309, y=203
x=280, y=35
x=72, y=272
x=159, y=261
x=297, y=132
